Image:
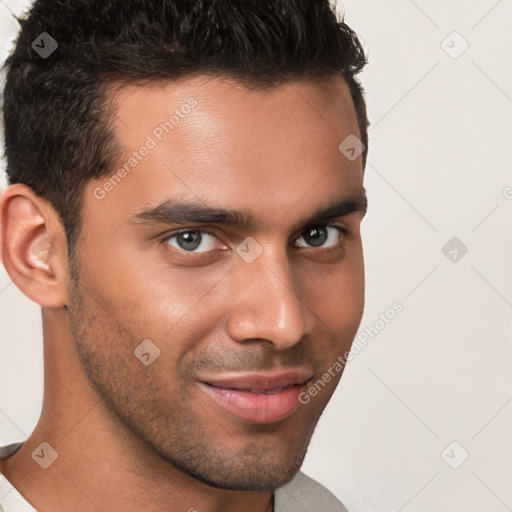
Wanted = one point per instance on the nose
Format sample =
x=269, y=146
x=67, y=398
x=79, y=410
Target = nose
x=266, y=303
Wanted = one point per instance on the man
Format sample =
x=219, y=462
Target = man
x=186, y=192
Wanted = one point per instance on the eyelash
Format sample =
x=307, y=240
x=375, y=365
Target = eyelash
x=343, y=231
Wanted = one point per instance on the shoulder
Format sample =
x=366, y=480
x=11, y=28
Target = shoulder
x=10, y=499
x=303, y=494
x=7, y=451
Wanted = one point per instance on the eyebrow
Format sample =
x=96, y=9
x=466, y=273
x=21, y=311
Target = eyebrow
x=190, y=212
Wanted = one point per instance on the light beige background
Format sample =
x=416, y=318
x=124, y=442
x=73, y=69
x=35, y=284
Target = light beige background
x=440, y=372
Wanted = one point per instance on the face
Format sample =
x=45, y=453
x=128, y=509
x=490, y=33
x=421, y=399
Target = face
x=220, y=272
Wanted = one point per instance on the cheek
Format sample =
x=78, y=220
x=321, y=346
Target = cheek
x=148, y=295
x=335, y=293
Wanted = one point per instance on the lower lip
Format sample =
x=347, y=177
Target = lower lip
x=256, y=407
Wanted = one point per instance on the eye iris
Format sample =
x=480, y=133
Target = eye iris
x=189, y=240
x=316, y=236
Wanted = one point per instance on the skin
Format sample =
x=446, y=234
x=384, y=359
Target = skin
x=131, y=436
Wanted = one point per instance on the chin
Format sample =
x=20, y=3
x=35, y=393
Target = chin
x=254, y=468
x=255, y=478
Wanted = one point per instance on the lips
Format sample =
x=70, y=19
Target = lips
x=257, y=397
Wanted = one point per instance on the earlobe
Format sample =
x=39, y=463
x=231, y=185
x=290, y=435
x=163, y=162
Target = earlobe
x=34, y=250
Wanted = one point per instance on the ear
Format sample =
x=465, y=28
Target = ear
x=34, y=246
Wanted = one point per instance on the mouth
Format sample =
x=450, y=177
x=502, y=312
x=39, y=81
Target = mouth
x=259, y=398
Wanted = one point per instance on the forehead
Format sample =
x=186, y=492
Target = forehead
x=216, y=141
x=228, y=111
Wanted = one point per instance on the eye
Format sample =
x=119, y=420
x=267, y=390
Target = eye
x=317, y=236
x=192, y=240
